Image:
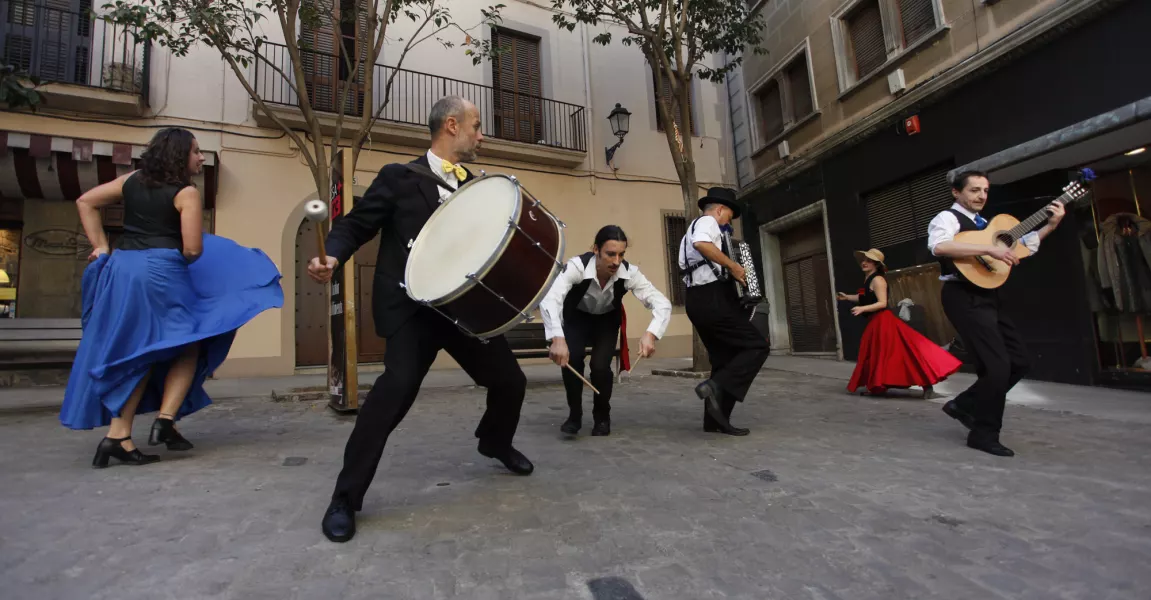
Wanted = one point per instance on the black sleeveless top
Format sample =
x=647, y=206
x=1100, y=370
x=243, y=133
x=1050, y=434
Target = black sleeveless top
x=868, y=296
x=150, y=216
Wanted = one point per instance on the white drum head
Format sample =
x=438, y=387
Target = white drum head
x=461, y=237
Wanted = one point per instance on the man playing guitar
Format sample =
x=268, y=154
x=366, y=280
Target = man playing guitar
x=1000, y=353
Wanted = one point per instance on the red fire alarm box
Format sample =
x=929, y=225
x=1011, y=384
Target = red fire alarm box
x=911, y=124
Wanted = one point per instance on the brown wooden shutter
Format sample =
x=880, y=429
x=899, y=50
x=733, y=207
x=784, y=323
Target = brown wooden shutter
x=800, y=87
x=865, y=28
x=771, y=110
x=516, y=78
x=663, y=90
x=917, y=18
x=675, y=227
x=319, y=58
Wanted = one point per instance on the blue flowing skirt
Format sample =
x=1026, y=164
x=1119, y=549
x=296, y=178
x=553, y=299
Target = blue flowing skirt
x=141, y=308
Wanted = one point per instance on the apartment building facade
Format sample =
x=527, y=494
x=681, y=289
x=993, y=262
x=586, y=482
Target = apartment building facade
x=544, y=110
x=847, y=133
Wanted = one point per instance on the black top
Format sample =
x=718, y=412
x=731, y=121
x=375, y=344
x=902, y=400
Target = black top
x=946, y=265
x=395, y=207
x=869, y=296
x=572, y=300
x=150, y=216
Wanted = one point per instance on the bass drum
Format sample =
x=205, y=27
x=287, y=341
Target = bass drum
x=486, y=257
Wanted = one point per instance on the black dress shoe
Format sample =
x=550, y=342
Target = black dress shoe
x=988, y=444
x=164, y=432
x=729, y=430
x=513, y=459
x=571, y=426
x=113, y=448
x=339, y=521
x=601, y=428
x=952, y=409
x=711, y=394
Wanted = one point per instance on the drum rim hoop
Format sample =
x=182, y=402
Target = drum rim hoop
x=488, y=264
x=536, y=301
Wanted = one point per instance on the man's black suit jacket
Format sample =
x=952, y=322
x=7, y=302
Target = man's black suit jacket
x=396, y=206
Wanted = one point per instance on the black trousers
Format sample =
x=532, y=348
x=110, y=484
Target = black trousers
x=408, y=356
x=735, y=348
x=1001, y=357
x=600, y=331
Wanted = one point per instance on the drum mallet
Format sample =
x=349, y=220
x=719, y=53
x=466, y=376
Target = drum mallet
x=316, y=211
x=586, y=382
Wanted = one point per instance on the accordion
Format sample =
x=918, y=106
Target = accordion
x=740, y=252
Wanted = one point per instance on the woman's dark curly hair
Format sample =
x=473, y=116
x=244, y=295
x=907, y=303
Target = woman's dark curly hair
x=165, y=161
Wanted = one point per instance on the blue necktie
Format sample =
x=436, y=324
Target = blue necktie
x=980, y=222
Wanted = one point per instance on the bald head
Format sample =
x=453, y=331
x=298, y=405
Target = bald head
x=455, y=127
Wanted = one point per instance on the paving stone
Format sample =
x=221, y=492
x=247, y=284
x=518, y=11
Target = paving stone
x=868, y=499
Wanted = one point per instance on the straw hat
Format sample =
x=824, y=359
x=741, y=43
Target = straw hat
x=873, y=254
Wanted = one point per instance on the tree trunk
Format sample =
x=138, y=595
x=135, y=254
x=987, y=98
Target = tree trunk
x=689, y=187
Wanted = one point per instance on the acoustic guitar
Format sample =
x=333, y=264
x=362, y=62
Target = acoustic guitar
x=1005, y=230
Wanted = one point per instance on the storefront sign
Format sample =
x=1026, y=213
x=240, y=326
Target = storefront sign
x=58, y=242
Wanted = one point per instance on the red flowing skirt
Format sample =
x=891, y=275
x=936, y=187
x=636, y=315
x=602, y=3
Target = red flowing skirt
x=893, y=355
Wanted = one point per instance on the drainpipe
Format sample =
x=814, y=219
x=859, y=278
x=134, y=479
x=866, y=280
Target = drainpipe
x=592, y=147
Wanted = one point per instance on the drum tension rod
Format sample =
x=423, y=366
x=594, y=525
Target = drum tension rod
x=455, y=322
x=536, y=202
x=472, y=276
x=562, y=266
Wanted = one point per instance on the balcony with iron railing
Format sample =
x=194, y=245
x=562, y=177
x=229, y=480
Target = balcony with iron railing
x=516, y=125
x=84, y=63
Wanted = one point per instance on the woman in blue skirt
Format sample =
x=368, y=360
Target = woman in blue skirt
x=161, y=311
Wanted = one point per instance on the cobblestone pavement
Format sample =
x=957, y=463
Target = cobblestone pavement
x=831, y=497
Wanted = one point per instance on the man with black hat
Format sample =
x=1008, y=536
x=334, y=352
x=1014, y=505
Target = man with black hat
x=736, y=349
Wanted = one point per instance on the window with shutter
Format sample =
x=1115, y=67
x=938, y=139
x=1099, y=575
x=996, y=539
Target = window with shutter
x=869, y=34
x=799, y=85
x=917, y=17
x=328, y=47
x=900, y=213
x=770, y=110
x=675, y=227
x=663, y=90
x=517, y=88
x=865, y=28
x=785, y=97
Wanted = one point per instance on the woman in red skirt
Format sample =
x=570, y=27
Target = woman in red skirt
x=891, y=353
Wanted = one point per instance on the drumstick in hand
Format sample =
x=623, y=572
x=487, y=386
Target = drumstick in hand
x=317, y=212
x=586, y=382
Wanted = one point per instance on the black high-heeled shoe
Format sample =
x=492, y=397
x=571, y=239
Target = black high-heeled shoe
x=164, y=432
x=114, y=448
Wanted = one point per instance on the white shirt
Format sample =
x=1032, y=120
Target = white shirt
x=945, y=225
x=599, y=300
x=449, y=177
x=706, y=230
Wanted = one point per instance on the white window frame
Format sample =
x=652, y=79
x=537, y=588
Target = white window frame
x=790, y=123
x=889, y=17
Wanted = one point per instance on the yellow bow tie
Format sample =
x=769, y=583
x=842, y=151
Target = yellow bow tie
x=459, y=171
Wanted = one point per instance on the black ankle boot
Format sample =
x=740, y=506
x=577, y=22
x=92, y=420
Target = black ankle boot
x=114, y=448
x=164, y=432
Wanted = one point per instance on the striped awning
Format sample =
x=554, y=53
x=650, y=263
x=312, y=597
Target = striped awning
x=46, y=167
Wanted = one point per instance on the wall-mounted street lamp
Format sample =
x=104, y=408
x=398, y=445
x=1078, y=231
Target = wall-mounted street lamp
x=620, y=120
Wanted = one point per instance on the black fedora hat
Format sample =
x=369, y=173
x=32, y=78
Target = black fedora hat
x=724, y=196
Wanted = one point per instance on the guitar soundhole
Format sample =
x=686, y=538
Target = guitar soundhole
x=1005, y=239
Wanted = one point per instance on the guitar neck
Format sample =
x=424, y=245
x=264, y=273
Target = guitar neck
x=1036, y=219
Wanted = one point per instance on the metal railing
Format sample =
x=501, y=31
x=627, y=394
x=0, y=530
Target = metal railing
x=73, y=47
x=504, y=114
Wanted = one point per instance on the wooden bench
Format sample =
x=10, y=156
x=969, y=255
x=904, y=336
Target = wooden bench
x=38, y=342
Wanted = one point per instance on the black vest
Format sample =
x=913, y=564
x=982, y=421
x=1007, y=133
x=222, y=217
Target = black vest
x=572, y=300
x=946, y=265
